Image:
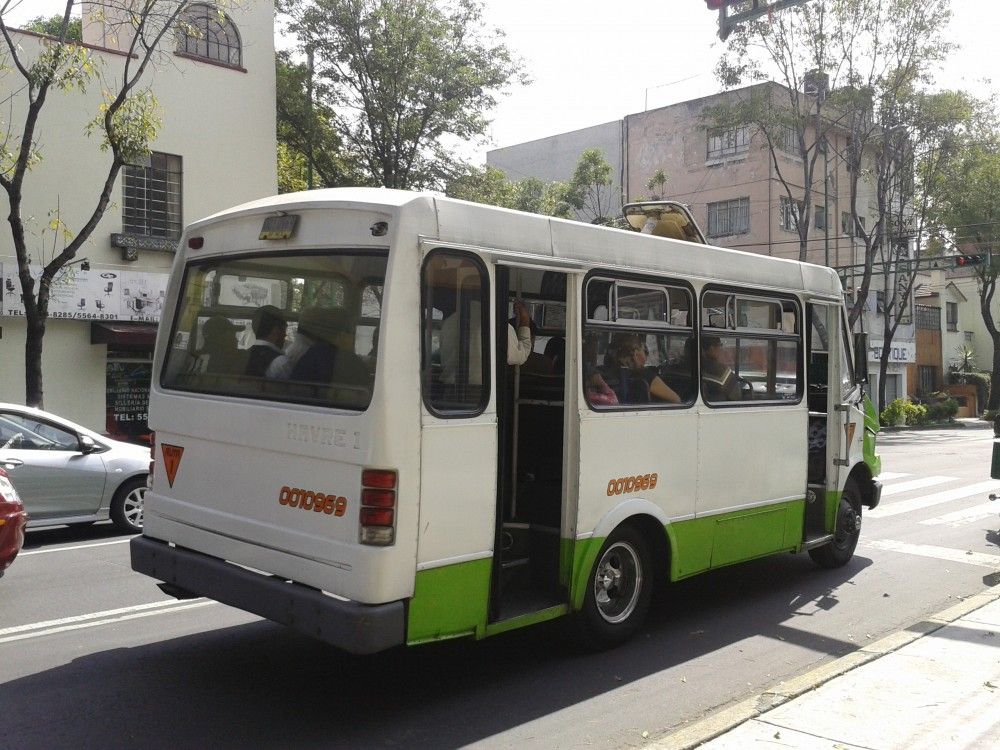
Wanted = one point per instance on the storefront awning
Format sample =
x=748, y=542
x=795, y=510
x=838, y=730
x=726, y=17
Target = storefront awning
x=124, y=335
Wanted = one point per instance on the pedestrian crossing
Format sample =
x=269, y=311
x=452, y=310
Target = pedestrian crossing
x=939, y=502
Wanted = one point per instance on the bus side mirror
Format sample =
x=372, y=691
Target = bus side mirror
x=861, y=357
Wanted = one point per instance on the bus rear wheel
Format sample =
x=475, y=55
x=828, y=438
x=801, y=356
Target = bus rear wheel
x=618, y=591
x=840, y=550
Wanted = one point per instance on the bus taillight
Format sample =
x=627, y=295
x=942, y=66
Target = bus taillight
x=378, y=507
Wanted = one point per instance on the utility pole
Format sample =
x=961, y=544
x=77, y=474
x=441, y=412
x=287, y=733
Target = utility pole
x=309, y=95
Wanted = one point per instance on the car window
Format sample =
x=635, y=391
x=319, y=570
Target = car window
x=26, y=433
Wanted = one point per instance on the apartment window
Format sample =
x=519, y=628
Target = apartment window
x=787, y=139
x=728, y=142
x=789, y=212
x=847, y=223
x=151, y=197
x=928, y=318
x=880, y=302
x=729, y=217
x=820, y=212
x=927, y=378
x=952, y=315
x=205, y=31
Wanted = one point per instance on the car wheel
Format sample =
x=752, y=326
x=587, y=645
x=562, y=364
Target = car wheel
x=126, y=508
x=618, y=591
x=840, y=550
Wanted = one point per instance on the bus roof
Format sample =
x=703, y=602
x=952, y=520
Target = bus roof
x=559, y=242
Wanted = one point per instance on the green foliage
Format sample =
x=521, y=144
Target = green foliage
x=589, y=191
x=404, y=79
x=902, y=411
x=489, y=185
x=131, y=127
x=658, y=180
x=304, y=127
x=53, y=26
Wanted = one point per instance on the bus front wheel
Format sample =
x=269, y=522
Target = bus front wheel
x=618, y=591
x=840, y=550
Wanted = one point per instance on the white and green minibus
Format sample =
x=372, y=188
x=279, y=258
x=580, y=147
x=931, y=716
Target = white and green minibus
x=386, y=477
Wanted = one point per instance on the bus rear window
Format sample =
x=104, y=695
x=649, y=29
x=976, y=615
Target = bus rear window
x=297, y=328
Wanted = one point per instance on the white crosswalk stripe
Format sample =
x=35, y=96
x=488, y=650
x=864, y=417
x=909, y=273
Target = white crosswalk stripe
x=937, y=498
x=966, y=515
x=914, y=484
x=887, y=476
x=965, y=557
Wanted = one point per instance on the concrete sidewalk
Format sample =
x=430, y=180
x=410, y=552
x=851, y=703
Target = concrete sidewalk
x=934, y=685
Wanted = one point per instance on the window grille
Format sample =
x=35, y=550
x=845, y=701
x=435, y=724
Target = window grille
x=728, y=142
x=729, y=217
x=151, y=198
x=205, y=31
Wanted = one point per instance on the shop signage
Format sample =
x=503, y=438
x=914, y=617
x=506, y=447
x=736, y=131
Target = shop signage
x=127, y=398
x=94, y=294
x=899, y=351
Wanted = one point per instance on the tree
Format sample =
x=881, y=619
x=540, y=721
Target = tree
x=52, y=26
x=489, y=185
x=403, y=80
x=126, y=123
x=965, y=194
x=838, y=63
x=658, y=180
x=307, y=144
x=919, y=132
x=591, y=188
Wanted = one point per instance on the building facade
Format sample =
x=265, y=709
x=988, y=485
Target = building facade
x=734, y=188
x=214, y=83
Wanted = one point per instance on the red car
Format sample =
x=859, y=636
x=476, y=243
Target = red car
x=12, y=522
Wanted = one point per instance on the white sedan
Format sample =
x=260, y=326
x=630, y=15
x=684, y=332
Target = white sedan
x=67, y=474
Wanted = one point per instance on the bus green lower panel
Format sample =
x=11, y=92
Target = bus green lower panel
x=449, y=601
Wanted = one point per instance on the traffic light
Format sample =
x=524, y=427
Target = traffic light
x=963, y=261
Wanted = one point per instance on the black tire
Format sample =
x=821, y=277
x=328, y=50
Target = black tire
x=846, y=533
x=127, y=505
x=618, y=591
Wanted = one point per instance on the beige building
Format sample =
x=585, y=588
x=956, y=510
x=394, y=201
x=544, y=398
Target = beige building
x=216, y=148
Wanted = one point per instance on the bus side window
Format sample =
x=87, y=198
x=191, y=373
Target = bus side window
x=454, y=348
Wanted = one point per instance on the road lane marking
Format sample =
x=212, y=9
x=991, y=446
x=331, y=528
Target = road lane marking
x=906, y=506
x=887, y=476
x=76, y=546
x=77, y=622
x=960, y=517
x=914, y=484
x=938, y=553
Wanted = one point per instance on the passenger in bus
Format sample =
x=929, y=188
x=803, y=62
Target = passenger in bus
x=637, y=383
x=219, y=353
x=270, y=330
x=331, y=358
x=518, y=345
x=281, y=366
x=717, y=378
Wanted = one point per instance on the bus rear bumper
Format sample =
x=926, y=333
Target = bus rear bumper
x=351, y=626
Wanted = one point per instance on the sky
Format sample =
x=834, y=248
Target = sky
x=594, y=61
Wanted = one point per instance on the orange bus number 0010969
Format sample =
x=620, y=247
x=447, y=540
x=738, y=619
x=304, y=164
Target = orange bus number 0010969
x=624, y=485
x=330, y=504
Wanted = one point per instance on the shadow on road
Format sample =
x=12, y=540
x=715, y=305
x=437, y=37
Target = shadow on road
x=73, y=534
x=261, y=685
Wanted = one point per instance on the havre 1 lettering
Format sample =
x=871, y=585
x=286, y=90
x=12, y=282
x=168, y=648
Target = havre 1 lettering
x=624, y=485
x=319, y=502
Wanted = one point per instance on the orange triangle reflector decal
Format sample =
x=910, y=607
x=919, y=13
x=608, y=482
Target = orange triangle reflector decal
x=171, y=460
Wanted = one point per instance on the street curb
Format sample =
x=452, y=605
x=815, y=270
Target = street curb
x=728, y=718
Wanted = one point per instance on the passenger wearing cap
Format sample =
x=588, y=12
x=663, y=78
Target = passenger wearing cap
x=331, y=358
x=270, y=329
